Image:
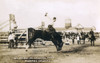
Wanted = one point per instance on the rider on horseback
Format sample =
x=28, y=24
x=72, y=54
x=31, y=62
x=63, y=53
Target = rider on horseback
x=51, y=29
x=92, y=37
x=91, y=32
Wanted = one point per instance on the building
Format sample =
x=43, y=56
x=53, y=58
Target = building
x=77, y=28
x=68, y=23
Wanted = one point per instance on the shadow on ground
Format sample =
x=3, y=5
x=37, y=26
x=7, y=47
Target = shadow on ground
x=75, y=49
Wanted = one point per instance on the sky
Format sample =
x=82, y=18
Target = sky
x=30, y=13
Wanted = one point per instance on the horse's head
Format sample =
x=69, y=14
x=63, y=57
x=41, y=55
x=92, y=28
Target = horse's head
x=57, y=40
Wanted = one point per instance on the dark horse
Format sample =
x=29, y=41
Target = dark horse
x=54, y=37
x=92, y=39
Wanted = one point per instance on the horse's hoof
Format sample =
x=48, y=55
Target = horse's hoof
x=26, y=50
x=29, y=47
x=58, y=49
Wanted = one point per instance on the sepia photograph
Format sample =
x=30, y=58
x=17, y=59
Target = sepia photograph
x=49, y=31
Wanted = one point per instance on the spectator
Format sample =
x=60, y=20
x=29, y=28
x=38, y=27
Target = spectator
x=11, y=40
x=78, y=39
x=91, y=32
x=73, y=37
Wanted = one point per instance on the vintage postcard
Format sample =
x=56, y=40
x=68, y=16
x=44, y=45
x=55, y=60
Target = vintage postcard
x=49, y=31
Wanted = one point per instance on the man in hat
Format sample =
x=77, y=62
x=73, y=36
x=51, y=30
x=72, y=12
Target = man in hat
x=51, y=29
x=11, y=39
x=91, y=32
x=92, y=37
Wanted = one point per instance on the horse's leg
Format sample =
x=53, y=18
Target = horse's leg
x=80, y=41
x=30, y=42
x=73, y=41
x=84, y=41
x=16, y=44
x=26, y=47
x=9, y=46
x=77, y=42
x=34, y=44
x=30, y=45
x=93, y=43
x=12, y=44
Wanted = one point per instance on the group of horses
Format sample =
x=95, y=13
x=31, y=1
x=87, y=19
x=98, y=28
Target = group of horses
x=82, y=37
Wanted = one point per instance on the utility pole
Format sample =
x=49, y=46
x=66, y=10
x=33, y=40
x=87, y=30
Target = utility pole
x=12, y=21
x=10, y=18
x=68, y=23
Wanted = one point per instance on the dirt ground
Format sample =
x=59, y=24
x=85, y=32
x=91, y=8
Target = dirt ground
x=83, y=53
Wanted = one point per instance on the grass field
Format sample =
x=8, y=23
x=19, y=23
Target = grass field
x=83, y=53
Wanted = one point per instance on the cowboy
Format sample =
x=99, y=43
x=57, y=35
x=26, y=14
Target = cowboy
x=11, y=40
x=91, y=32
x=92, y=37
x=51, y=31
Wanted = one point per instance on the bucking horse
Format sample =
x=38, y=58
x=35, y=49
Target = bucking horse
x=55, y=37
